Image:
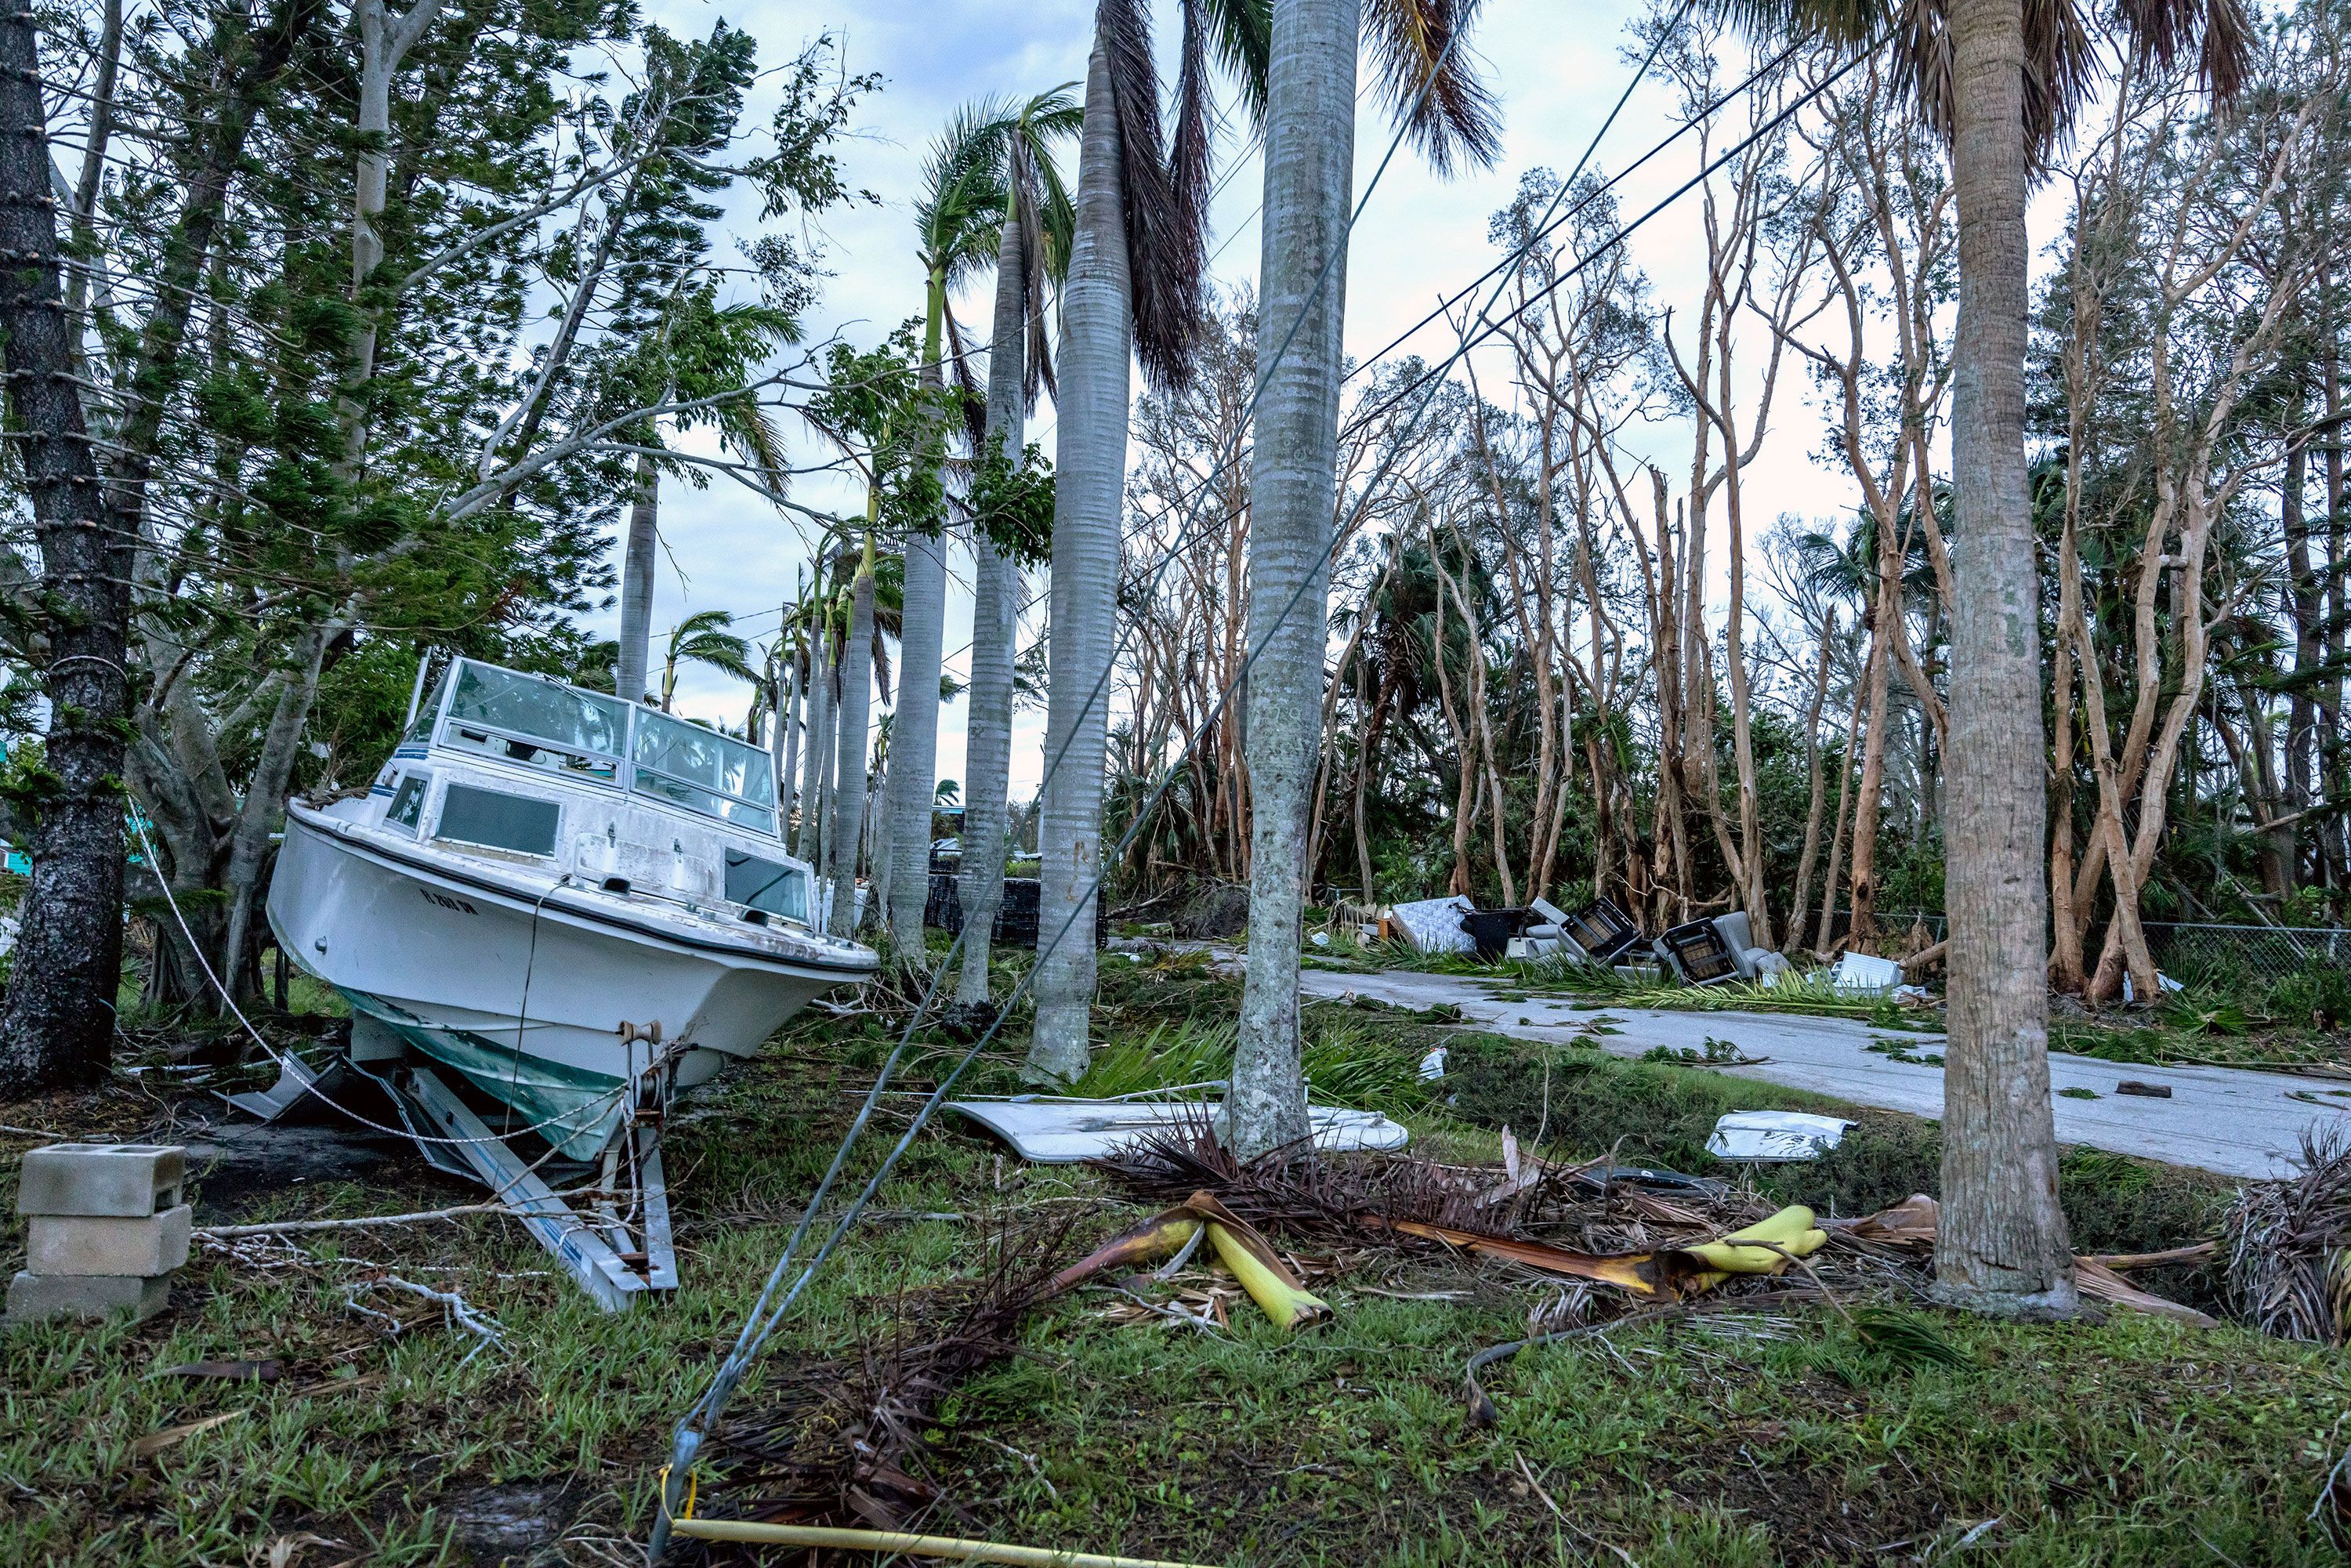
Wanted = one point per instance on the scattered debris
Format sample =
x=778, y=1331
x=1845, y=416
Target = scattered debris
x=1432, y=1066
x=1765, y=1137
x=1900, y=1050
x=269, y=1371
x=1862, y=974
x=154, y=1443
x=1432, y=925
x=2284, y=1241
x=1911, y=1224
x=1049, y=1131
x=1714, y=1053
x=1267, y=1279
x=2145, y=1090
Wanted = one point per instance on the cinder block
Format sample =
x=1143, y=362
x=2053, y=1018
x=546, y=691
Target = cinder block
x=32, y=1298
x=93, y=1244
x=126, y=1181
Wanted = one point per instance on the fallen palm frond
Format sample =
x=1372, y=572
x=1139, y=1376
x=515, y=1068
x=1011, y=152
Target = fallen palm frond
x=1910, y=1226
x=1262, y=1273
x=845, y=1440
x=2286, y=1242
x=1326, y=1200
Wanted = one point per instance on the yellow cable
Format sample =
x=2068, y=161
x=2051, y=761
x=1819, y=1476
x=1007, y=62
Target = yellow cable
x=909, y=1544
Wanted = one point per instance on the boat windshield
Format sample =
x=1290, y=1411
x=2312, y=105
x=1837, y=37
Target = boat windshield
x=704, y=771
x=584, y=726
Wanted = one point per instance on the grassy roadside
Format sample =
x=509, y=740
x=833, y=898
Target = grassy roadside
x=1774, y=1438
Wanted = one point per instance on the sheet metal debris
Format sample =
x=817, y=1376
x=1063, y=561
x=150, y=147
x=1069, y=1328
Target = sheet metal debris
x=1765, y=1137
x=1053, y=1132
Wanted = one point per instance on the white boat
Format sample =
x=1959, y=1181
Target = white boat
x=576, y=904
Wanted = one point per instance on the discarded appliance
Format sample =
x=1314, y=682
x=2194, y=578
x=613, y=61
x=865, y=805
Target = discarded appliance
x=1866, y=975
x=1697, y=953
x=1762, y=1137
x=1434, y=924
x=1754, y=963
x=1491, y=931
x=571, y=905
x=1049, y=1132
x=1599, y=931
x=105, y=1230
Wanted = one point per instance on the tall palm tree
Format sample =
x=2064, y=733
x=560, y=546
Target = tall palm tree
x=1137, y=261
x=703, y=638
x=702, y=346
x=1310, y=146
x=1033, y=246
x=2000, y=81
x=959, y=225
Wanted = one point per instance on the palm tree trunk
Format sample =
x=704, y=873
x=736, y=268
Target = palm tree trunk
x=788, y=743
x=1310, y=150
x=848, y=799
x=637, y=586
x=994, y=612
x=810, y=842
x=1097, y=342
x=58, y=1023
x=2002, y=1245
x=905, y=837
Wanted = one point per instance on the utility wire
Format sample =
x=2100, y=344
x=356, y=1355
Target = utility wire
x=767, y=1312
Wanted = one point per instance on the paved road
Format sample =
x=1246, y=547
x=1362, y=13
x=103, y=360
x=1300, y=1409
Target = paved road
x=2222, y=1119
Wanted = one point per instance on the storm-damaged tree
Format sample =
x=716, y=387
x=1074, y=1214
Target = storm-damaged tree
x=2000, y=82
x=305, y=390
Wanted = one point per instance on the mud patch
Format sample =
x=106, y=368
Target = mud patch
x=238, y=1165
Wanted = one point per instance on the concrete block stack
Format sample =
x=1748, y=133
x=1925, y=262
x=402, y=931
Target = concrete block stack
x=106, y=1230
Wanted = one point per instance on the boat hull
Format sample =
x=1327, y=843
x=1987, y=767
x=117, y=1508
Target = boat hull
x=549, y=996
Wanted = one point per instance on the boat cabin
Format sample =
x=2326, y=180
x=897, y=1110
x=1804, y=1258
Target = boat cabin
x=532, y=772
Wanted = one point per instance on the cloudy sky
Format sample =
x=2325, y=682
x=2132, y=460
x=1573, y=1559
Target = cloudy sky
x=1555, y=69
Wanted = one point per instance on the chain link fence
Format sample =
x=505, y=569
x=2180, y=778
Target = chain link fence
x=2190, y=951
x=2228, y=953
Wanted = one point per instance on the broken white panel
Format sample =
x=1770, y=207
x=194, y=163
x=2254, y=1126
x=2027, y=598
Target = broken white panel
x=1434, y=924
x=2164, y=983
x=1432, y=1066
x=1761, y=1136
x=1052, y=1132
x=1866, y=975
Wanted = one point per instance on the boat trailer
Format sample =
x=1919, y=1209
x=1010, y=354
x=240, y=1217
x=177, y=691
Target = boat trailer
x=612, y=1239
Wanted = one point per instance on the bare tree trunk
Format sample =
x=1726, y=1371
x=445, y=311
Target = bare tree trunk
x=635, y=659
x=810, y=845
x=1806, y=859
x=2003, y=1245
x=994, y=618
x=788, y=694
x=905, y=837
x=56, y=1025
x=1097, y=342
x=1303, y=276
x=847, y=833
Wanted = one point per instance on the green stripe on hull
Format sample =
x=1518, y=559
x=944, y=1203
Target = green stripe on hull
x=568, y=1106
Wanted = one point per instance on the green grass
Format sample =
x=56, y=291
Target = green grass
x=1797, y=1440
